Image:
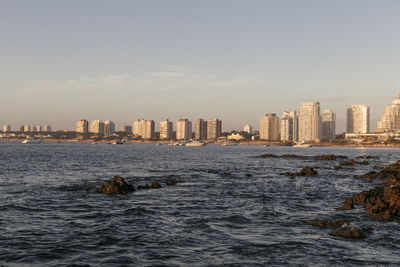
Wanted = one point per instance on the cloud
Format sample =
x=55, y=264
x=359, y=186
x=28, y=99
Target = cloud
x=164, y=80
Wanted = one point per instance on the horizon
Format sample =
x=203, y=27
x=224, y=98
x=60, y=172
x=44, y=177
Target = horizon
x=120, y=61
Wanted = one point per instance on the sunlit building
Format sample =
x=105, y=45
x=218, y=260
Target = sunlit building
x=27, y=128
x=200, y=129
x=47, y=129
x=269, y=127
x=328, y=125
x=289, y=126
x=183, y=129
x=390, y=120
x=6, y=128
x=214, y=129
x=248, y=129
x=166, y=130
x=144, y=129
x=82, y=126
x=309, y=122
x=126, y=129
x=358, y=119
x=97, y=127
x=109, y=128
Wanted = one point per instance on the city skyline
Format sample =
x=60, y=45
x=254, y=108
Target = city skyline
x=148, y=59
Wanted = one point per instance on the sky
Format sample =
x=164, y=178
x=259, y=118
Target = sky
x=61, y=61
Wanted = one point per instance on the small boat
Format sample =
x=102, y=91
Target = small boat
x=196, y=143
x=303, y=144
x=32, y=141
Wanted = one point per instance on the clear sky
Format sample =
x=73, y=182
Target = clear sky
x=61, y=61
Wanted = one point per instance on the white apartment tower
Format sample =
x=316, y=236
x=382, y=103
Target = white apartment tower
x=248, y=129
x=109, y=128
x=214, y=129
x=82, y=126
x=97, y=127
x=126, y=129
x=328, y=125
x=6, y=128
x=27, y=128
x=200, y=129
x=390, y=120
x=144, y=129
x=289, y=126
x=183, y=129
x=358, y=119
x=309, y=122
x=166, y=130
x=269, y=127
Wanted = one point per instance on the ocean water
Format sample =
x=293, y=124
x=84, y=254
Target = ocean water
x=51, y=214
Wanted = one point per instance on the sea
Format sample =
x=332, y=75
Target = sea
x=228, y=208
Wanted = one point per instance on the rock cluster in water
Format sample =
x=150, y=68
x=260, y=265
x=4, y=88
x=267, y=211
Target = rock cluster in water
x=318, y=157
x=306, y=171
x=382, y=202
x=117, y=186
x=120, y=186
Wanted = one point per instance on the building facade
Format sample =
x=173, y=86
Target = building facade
x=269, y=127
x=390, y=120
x=126, y=129
x=183, y=129
x=97, y=127
x=289, y=126
x=200, y=129
x=358, y=119
x=328, y=125
x=248, y=129
x=47, y=129
x=27, y=128
x=166, y=128
x=144, y=129
x=82, y=126
x=6, y=128
x=309, y=122
x=109, y=128
x=214, y=129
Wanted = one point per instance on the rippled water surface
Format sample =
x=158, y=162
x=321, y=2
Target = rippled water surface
x=51, y=214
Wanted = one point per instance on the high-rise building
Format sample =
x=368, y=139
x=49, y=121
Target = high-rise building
x=269, y=127
x=126, y=129
x=82, y=126
x=309, y=122
x=109, y=128
x=200, y=129
x=144, y=128
x=183, y=129
x=248, y=129
x=214, y=129
x=358, y=119
x=289, y=126
x=136, y=127
x=6, y=128
x=27, y=128
x=47, y=129
x=166, y=130
x=38, y=128
x=97, y=127
x=328, y=125
x=390, y=120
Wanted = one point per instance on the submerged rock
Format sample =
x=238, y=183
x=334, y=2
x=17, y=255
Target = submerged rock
x=330, y=157
x=268, y=156
x=152, y=185
x=352, y=162
x=330, y=224
x=170, y=182
x=248, y=175
x=306, y=171
x=117, y=186
x=354, y=233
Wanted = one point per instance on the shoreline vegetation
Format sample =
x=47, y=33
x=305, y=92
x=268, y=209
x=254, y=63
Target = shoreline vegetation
x=218, y=142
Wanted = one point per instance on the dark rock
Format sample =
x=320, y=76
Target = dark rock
x=306, y=171
x=117, y=186
x=377, y=167
x=354, y=233
x=293, y=156
x=330, y=224
x=268, y=156
x=248, y=175
x=153, y=185
x=367, y=157
x=226, y=173
x=170, y=182
x=330, y=157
